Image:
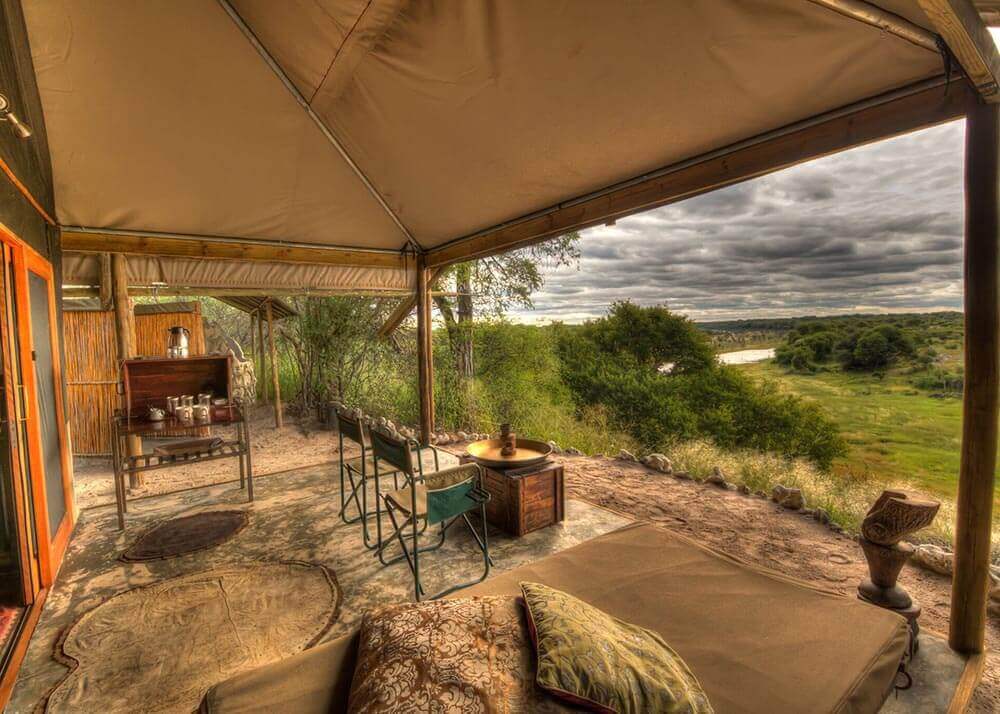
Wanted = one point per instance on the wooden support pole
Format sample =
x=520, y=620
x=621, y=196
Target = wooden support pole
x=107, y=288
x=252, y=356
x=425, y=353
x=278, y=421
x=125, y=338
x=262, y=374
x=982, y=380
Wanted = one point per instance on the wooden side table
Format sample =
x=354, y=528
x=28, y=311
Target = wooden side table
x=524, y=499
x=122, y=426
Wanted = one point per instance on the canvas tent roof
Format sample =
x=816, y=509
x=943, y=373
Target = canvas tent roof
x=391, y=126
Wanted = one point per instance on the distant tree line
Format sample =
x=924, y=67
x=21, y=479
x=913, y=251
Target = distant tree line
x=868, y=343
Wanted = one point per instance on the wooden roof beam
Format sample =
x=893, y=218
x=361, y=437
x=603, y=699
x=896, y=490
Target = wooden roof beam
x=989, y=11
x=873, y=120
x=208, y=247
x=963, y=30
x=405, y=307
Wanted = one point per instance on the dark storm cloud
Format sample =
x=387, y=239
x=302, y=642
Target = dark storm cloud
x=876, y=228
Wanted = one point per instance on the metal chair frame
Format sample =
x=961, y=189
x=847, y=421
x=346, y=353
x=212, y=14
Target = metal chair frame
x=354, y=429
x=399, y=455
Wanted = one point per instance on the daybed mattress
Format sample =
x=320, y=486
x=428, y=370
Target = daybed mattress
x=757, y=641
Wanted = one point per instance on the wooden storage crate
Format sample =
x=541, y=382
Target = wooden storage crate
x=526, y=499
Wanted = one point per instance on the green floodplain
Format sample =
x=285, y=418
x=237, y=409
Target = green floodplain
x=902, y=420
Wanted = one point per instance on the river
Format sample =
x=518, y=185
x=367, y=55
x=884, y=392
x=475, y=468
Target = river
x=738, y=357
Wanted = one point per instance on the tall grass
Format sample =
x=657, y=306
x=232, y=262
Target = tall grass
x=846, y=498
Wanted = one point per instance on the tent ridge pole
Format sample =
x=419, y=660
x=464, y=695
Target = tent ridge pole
x=884, y=20
x=317, y=120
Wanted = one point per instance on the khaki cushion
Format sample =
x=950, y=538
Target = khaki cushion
x=756, y=640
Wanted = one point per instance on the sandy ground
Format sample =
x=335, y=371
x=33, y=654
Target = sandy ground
x=759, y=531
x=297, y=444
x=751, y=528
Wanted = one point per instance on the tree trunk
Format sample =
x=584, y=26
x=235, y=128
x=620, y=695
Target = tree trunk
x=463, y=353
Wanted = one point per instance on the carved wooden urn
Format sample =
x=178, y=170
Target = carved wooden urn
x=894, y=515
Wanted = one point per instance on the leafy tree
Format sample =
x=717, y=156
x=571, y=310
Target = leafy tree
x=330, y=341
x=490, y=286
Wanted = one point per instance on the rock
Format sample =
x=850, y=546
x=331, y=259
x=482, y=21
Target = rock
x=434, y=439
x=462, y=436
x=807, y=512
x=573, y=451
x=822, y=515
x=760, y=494
x=934, y=558
x=790, y=498
x=658, y=462
x=626, y=455
x=683, y=475
x=744, y=489
x=716, y=478
x=555, y=447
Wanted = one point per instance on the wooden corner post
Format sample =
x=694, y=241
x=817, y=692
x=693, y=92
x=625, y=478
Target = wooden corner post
x=982, y=382
x=262, y=374
x=278, y=420
x=125, y=338
x=425, y=352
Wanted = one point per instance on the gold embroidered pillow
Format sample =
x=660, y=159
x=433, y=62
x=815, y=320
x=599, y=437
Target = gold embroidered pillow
x=591, y=659
x=469, y=655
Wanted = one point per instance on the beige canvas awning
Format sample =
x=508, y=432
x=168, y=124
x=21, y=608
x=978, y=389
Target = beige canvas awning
x=391, y=124
x=239, y=277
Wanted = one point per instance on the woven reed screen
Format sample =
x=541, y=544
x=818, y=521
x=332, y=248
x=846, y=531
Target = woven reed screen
x=92, y=367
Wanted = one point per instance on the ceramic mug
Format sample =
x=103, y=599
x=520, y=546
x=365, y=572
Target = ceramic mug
x=185, y=413
x=187, y=400
x=200, y=412
x=172, y=404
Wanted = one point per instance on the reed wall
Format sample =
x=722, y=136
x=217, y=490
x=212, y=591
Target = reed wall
x=92, y=367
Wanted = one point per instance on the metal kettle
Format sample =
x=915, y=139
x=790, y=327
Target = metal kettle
x=177, y=341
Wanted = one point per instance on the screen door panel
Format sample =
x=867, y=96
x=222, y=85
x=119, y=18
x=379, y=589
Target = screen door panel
x=41, y=331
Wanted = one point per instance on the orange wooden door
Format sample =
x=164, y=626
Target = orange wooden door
x=16, y=489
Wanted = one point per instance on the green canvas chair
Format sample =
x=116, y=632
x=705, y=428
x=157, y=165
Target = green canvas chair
x=442, y=498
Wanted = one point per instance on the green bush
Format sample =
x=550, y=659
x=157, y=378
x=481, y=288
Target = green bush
x=602, y=366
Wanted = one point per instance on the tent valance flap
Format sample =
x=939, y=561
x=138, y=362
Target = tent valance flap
x=220, y=276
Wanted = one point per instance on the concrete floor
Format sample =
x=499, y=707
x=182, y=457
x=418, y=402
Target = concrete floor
x=294, y=517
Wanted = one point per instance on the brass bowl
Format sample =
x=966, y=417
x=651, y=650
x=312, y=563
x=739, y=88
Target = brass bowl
x=487, y=453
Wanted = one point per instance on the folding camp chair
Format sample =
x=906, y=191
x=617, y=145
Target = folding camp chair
x=444, y=497
x=356, y=473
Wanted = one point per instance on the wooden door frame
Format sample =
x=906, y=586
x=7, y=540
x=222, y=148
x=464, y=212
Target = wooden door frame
x=50, y=550
x=20, y=470
x=35, y=263
x=52, y=547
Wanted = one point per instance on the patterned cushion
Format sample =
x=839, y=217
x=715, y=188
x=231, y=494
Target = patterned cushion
x=592, y=659
x=463, y=655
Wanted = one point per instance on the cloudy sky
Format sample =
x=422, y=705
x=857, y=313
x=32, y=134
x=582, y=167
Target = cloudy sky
x=875, y=229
